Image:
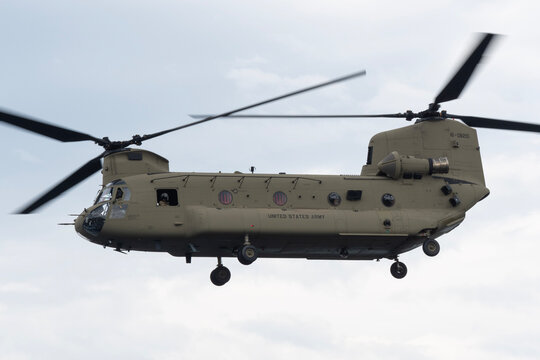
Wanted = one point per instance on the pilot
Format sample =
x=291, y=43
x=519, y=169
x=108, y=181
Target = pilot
x=164, y=199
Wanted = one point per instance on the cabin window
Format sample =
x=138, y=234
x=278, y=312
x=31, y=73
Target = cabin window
x=225, y=197
x=388, y=200
x=167, y=197
x=354, y=195
x=280, y=198
x=334, y=199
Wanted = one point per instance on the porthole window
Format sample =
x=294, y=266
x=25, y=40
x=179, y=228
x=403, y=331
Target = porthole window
x=225, y=197
x=280, y=198
x=334, y=199
x=388, y=200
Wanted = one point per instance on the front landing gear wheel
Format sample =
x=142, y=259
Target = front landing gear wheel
x=247, y=254
x=398, y=270
x=431, y=247
x=220, y=275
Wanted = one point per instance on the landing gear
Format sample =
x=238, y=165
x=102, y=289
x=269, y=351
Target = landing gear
x=398, y=270
x=431, y=247
x=247, y=253
x=220, y=275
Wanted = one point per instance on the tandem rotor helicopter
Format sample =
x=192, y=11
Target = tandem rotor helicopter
x=417, y=184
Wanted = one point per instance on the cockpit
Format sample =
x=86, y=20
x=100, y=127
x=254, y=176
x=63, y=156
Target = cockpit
x=112, y=201
x=116, y=189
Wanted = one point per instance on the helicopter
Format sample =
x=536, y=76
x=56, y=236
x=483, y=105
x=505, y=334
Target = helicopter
x=417, y=185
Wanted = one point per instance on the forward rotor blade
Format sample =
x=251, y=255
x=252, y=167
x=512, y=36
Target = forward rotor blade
x=480, y=122
x=212, y=117
x=45, y=129
x=255, y=116
x=455, y=86
x=79, y=175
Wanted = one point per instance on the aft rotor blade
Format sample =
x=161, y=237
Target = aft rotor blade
x=228, y=113
x=455, y=86
x=481, y=122
x=79, y=175
x=261, y=116
x=45, y=129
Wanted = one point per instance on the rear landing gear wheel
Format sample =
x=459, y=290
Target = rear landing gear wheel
x=220, y=275
x=431, y=247
x=247, y=254
x=398, y=270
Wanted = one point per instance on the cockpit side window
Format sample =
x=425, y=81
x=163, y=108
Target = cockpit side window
x=167, y=197
x=119, y=194
x=127, y=193
x=122, y=193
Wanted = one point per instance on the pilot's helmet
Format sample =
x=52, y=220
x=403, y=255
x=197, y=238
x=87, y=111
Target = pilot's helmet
x=164, y=197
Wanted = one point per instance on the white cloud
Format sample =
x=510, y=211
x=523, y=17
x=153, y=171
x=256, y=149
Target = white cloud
x=251, y=61
x=112, y=69
x=26, y=156
x=255, y=80
x=19, y=288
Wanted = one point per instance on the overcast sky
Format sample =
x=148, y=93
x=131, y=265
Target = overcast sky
x=119, y=68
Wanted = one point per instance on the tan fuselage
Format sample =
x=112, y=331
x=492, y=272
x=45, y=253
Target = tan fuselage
x=287, y=215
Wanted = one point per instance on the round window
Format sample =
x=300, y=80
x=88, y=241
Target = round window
x=225, y=197
x=388, y=200
x=280, y=198
x=334, y=199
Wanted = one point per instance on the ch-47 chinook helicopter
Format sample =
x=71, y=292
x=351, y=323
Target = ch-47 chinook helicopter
x=417, y=184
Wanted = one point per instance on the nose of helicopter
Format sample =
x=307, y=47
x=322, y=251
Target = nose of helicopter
x=79, y=223
x=85, y=225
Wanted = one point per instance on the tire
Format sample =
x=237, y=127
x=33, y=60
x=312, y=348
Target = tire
x=431, y=247
x=398, y=270
x=220, y=275
x=247, y=254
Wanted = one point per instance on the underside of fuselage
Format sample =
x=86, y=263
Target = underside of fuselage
x=343, y=247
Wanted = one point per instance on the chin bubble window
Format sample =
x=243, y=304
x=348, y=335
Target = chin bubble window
x=118, y=211
x=167, y=197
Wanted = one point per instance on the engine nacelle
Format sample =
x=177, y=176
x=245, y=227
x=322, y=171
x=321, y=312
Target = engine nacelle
x=397, y=166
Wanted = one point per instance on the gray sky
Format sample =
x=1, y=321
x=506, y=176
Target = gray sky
x=117, y=68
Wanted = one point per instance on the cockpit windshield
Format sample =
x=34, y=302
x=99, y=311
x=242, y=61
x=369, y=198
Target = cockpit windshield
x=105, y=194
x=94, y=221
